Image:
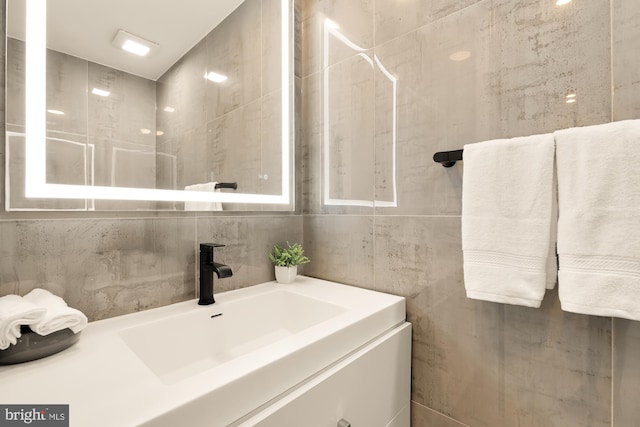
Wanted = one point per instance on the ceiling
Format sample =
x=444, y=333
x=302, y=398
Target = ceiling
x=86, y=28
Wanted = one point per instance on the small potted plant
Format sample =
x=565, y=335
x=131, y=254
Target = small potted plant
x=286, y=261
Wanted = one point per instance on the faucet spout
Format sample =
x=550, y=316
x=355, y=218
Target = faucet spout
x=207, y=268
x=222, y=271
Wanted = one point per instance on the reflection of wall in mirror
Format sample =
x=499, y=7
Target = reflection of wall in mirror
x=124, y=119
x=229, y=130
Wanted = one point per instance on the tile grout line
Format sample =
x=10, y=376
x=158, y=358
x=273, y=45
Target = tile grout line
x=373, y=148
x=440, y=414
x=196, y=265
x=612, y=82
x=613, y=361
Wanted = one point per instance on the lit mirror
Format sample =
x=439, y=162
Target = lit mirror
x=149, y=105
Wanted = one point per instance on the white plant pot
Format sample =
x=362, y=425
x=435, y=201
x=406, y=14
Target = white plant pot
x=286, y=274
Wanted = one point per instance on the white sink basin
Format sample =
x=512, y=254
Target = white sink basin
x=186, y=344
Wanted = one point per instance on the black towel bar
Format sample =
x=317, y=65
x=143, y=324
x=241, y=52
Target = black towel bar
x=448, y=158
x=232, y=185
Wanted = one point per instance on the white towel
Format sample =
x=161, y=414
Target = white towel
x=202, y=206
x=15, y=311
x=58, y=314
x=599, y=223
x=508, y=198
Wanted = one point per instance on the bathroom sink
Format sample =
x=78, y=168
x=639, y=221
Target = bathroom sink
x=185, y=344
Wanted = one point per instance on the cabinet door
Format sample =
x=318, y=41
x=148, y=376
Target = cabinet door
x=370, y=388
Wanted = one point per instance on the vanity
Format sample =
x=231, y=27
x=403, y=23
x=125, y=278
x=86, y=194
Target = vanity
x=311, y=353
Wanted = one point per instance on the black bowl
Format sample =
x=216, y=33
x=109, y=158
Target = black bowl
x=31, y=346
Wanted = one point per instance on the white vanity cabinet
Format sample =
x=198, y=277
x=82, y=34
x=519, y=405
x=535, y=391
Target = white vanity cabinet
x=369, y=388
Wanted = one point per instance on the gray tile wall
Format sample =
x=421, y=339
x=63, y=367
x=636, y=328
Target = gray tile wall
x=475, y=363
x=113, y=263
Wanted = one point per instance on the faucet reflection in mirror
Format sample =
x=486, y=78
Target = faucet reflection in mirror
x=125, y=138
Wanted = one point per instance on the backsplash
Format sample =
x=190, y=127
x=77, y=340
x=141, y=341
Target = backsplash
x=420, y=76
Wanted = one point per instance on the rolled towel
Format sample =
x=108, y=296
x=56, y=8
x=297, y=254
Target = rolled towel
x=58, y=314
x=16, y=311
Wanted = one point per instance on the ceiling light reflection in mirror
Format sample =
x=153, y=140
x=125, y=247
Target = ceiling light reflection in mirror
x=330, y=28
x=35, y=125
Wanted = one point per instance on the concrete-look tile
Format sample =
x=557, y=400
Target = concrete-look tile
x=340, y=248
x=396, y=18
x=487, y=364
x=248, y=240
x=234, y=49
x=128, y=113
x=457, y=349
x=191, y=164
x=2, y=168
x=407, y=181
x=413, y=253
x=234, y=148
x=311, y=124
x=181, y=93
x=626, y=372
x=341, y=116
x=348, y=119
x=271, y=69
x=15, y=81
x=66, y=164
x=424, y=417
x=513, y=82
x=333, y=31
x=66, y=93
x=298, y=7
x=101, y=267
x=557, y=367
x=270, y=170
x=123, y=164
x=625, y=23
x=3, y=48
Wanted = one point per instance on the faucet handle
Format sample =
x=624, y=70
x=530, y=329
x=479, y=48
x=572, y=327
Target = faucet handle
x=210, y=246
x=206, y=251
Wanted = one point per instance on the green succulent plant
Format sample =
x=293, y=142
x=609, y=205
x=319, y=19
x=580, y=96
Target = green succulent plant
x=290, y=256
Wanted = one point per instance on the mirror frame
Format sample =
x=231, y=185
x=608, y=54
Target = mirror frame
x=35, y=129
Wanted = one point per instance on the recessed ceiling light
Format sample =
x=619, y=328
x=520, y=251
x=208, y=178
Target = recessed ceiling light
x=159, y=133
x=135, y=47
x=134, y=44
x=215, y=77
x=571, y=100
x=100, y=92
x=571, y=95
x=562, y=2
x=169, y=109
x=56, y=112
x=145, y=131
x=460, y=55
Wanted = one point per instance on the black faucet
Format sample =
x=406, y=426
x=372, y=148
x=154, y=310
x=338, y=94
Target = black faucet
x=207, y=268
